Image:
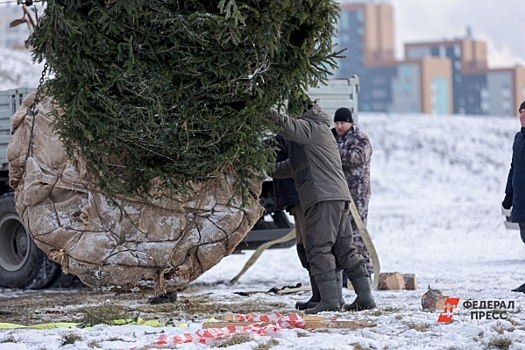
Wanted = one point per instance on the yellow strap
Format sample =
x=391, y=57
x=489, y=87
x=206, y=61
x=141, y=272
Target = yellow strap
x=118, y=322
x=53, y=325
x=258, y=252
x=10, y=326
x=39, y=326
x=367, y=240
x=360, y=226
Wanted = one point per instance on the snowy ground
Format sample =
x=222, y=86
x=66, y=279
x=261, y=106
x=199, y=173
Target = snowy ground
x=17, y=69
x=437, y=185
x=435, y=212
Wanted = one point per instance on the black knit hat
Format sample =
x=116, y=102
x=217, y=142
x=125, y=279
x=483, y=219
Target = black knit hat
x=343, y=115
x=522, y=106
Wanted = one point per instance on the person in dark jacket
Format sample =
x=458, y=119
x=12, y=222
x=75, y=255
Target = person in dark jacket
x=515, y=189
x=287, y=198
x=356, y=153
x=314, y=164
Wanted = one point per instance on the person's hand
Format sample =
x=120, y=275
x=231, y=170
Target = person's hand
x=273, y=116
x=507, y=202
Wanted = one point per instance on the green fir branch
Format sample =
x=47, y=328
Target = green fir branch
x=177, y=90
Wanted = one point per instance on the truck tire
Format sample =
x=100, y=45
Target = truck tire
x=62, y=280
x=22, y=264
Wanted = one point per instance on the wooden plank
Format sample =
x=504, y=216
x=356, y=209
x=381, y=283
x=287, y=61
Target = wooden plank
x=319, y=324
x=228, y=324
x=233, y=318
x=315, y=318
x=312, y=322
x=346, y=324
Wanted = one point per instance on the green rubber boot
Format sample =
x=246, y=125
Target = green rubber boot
x=364, y=300
x=312, y=304
x=314, y=299
x=330, y=293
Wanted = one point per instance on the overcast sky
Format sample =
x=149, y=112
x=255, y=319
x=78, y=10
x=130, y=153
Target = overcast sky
x=501, y=23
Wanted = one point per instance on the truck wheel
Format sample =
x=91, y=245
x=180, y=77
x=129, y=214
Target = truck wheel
x=65, y=280
x=22, y=264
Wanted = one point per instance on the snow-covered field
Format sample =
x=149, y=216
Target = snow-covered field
x=435, y=212
x=437, y=185
x=17, y=69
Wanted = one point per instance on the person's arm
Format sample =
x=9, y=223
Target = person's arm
x=509, y=191
x=282, y=170
x=296, y=130
x=508, y=188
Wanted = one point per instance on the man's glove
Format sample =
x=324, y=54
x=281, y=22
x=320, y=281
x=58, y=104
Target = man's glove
x=507, y=202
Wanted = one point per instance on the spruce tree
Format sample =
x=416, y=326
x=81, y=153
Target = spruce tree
x=177, y=90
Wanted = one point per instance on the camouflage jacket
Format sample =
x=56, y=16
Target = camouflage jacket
x=356, y=151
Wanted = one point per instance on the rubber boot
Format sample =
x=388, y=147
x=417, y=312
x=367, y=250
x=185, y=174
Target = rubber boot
x=314, y=299
x=330, y=293
x=364, y=300
x=339, y=276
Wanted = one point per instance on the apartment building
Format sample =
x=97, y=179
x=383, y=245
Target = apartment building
x=440, y=77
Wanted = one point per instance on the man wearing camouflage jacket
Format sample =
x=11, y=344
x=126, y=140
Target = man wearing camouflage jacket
x=356, y=152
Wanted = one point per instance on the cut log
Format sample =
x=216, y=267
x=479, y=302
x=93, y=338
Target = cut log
x=391, y=281
x=410, y=281
x=433, y=299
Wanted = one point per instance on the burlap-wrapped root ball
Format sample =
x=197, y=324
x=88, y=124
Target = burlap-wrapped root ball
x=160, y=244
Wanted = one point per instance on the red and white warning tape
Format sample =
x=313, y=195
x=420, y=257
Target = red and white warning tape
x=260, y=326
x=288, y=321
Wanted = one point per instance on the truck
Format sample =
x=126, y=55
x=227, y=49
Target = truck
x=23, y=265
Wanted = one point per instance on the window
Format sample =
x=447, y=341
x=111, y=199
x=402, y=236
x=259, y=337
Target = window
x=457, y=51
x=442, y=51
x=344, y=38
x=378, y=93
x=359, y=16
x=344, y=21
x=379, y=80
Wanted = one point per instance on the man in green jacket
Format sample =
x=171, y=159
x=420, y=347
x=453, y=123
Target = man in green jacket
x=315, y=165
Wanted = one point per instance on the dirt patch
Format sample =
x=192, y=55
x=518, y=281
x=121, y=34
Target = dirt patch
x=84, y=305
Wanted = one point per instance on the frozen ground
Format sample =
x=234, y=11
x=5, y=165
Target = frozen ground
x=435, y=212
x=437, y=185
